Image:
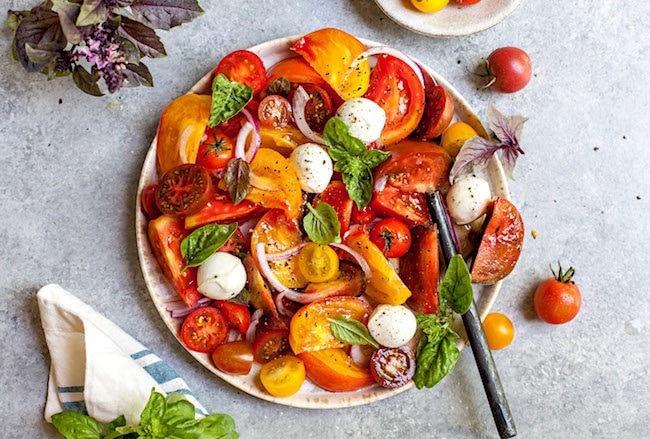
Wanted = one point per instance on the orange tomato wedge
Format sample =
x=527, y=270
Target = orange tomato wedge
x=331, y=53
x=182, y=124
x=333, y=370
x=310, y=329
x=385, y=285
x=279, y=188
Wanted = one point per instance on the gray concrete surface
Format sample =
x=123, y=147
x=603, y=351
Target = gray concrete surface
x=69, y=165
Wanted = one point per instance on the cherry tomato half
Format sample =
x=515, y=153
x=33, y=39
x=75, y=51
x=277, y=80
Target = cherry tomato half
x=392, y=236
x=557, y=300
x=245, y=67
x=499, y=330
x=204, y=329
x=148, y=201
x=215, y=150
x=318, y=263
x=235, y=357
x=274, y=112
x=509, y=69
x=184, y=190
x=438, y=113
x=283, y=376
x=429, y=6
x=319, y=108
x=392, y=367
x=270, y=344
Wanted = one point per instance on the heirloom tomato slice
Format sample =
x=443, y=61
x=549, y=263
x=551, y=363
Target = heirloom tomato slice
x=295, y=70
x=165, y=235
x=410, y=207
x=270, y=344
x=184, y=190
x=331, y=53
x=244, y=67
x=309, y=329
x=219, y=209
x=438, y=113
x=334, y=370
x=420, y=270
x=398, y=90
x=274, y=183
x=279, y=234
x=204, y=329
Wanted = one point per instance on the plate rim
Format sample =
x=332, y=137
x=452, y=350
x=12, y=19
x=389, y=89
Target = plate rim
x=318, y=398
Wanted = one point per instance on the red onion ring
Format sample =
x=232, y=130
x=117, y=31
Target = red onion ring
x=242, y=136
x=357, y=257
x=285, y=254
x=299, y=102
x=266, y=271
x=252, y=327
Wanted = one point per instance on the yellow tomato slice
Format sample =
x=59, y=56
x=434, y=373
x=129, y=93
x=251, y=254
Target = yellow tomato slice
x=182, y=124
x=283, y=376
x=283, y=140
x=455, y=137
x=279, y=234
x=318, y=263
x=281, y=186
x=385, y=285
x=310, y=330
x=331, y=53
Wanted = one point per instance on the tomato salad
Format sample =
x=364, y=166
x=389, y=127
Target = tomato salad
x=295, y=228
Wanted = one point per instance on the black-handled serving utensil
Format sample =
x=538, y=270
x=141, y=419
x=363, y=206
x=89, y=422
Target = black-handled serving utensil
x=475, y=334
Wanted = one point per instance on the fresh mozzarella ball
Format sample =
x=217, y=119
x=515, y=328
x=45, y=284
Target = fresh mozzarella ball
x=313, y=166
x=468, y=199
x=221, y=276
x=392, y=325
x=364, y=118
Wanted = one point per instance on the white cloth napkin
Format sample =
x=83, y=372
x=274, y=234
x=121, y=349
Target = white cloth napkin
x=96, y=368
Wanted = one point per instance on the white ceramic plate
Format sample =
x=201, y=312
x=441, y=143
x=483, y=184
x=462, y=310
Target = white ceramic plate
x=161, y=291
x=453, y=21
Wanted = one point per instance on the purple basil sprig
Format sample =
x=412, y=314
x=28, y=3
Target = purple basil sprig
x=476, y=151
x=97, y=41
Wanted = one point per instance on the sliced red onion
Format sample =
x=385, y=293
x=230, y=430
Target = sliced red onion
x=359, y=357
x=240, y=146
x=252, y=327
x=280, y=306
x=300, y=99
x=385, y=50
x=285, y=254
x=357, y=257
x=177, y=309
x=380, y=183
x=256, y=141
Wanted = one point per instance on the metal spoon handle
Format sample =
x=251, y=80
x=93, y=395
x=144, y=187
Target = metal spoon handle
x=475, y=334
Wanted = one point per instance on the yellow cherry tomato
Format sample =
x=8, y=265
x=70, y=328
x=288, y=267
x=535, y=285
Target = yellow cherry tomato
x=499, y=330
x=318, y=263
x=429, y=5
x=283, y=376
x=455, y=136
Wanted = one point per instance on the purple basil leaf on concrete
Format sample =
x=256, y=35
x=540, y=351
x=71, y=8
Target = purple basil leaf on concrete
x=143, y=36
x=92, y=12
x=87, y=82
x=41, y=30
x=165, y=14
x=138, y=74
x=68, y=13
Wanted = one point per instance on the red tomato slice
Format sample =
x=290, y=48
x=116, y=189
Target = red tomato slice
x=219, y=209
x=392, y=367
x=363, y=216
x=270, y=344
x=204, y=329
x=148, y=201
x=215, y=150
x=235, y=357
x=333, y=370
x=420, y=271
x=165, y=235
x=410, y=207
x=398, y=90
x=245, y=67
x=336, y=195
x=237, y=315
x=438, y=113
x=415, y=166
x=184, y=190
x=274, y=112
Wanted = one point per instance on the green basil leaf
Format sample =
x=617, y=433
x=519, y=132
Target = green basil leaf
x=218, y=426
x=180, y=413
x=204, y=241
x=434, y=361
x=74, y=425
x=456, y=287
x=359, y=185
x=336, y=136
x=154, y=409
x=228, y=99
x=237, y=179
x=373, y=157
x=322, y=224
x=351, y=331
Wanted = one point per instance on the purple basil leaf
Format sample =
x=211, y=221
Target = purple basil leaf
x=138, y=74
x=506, y=129
x=40, y=29
x=68, y=13
x=165, y=14
x=92, y=12
x=237, y=179
x=143, y=36
x=475, y=153
x=86, y=81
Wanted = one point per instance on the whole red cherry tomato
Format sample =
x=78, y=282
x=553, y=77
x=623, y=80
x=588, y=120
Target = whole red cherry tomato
x=392, y=236
x=557, y=299
x=509, y=69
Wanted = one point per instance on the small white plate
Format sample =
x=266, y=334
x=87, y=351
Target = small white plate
x=453, y=21
x=161, y=292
